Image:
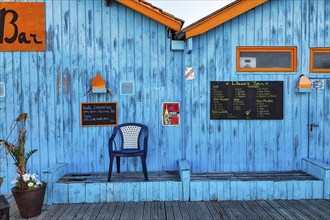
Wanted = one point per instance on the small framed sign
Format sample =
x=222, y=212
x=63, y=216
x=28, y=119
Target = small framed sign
x=22, y=26
x=99, y=113
x=189, y=73
x=171, y=114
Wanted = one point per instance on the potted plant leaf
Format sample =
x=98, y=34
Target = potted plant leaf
x=28, y=192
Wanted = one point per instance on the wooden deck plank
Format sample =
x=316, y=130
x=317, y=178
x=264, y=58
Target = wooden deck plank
x=194, y=210
x=319, y=211
x=59, y=212
x=274, y=209
x=161, y=210
x=138, y=206
x=220, y=210
x=250, y=211
x=184, y=210
x=323, y=205
x=213, y=211
x=304, y=211
x=176, y=210
x=111, y=210
x=205, y=210
x=121, y=177
x=71, y=211
x=326, y=203
x=227, y=210
x=240, y=209
x=255, y=207
x=169, y=210
x=96, y=210
x=234, y=209
x=284, y=212
x=133, y=211
x=49, y=212
x=84, y=211
x=292, y=210
x=103, y=211
x=126, y=210
x=270, y=210
x=45, y=211
x=153, y=210
x=14, y=213
x=244, y=176
x=118, y=210
x=147, y=210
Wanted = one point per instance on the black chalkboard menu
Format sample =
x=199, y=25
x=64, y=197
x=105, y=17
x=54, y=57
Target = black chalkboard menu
x=246, y=100
x=98, y=113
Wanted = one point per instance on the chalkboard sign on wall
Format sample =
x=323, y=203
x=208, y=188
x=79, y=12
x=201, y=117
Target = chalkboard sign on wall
x=98, y=113
x=247, y=100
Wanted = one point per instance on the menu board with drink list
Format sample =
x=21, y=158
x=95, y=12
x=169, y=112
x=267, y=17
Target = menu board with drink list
x=246, y=100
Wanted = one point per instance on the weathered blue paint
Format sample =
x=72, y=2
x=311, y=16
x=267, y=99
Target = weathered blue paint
x=117, y=192
x=51, y=176
x=255, y=190
x=191, y=190
x=319, y=170
x=85, y=38
x=184, y=172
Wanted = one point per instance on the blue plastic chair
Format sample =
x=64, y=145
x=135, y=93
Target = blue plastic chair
x=133, y=142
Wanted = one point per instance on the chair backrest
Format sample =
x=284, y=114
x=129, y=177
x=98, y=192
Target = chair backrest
x=131, y=136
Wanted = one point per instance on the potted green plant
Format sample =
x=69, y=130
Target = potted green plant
x=28, y=192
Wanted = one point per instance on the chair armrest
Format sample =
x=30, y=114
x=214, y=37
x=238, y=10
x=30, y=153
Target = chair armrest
x=145, y=141
x=111, y=139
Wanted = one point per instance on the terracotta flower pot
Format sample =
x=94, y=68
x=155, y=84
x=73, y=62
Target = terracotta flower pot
x=29, y=202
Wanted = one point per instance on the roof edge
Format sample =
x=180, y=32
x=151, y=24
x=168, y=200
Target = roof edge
x=154, y=13
x=219, y=17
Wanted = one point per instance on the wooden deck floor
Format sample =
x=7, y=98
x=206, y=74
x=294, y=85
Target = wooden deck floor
x=278, y=209
x=174, y=176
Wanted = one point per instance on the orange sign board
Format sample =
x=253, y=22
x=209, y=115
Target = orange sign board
x=22, y=26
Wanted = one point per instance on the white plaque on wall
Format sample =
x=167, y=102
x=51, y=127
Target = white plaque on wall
x=189, y=73
x=248, y=62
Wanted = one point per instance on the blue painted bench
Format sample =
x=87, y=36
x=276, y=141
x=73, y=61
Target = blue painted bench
x=189, y=188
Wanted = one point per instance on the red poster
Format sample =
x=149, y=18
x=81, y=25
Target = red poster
x=171, y=113
x=22, y=26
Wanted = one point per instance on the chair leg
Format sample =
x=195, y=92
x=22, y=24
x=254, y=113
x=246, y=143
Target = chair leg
x=118, y=164
x=110, y=168
x=144, y=168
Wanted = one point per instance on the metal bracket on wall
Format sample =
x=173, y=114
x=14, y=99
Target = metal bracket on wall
x=189, y=45
x=2, y=90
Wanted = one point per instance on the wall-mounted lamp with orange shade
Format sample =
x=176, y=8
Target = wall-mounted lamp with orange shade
x=98, y=85
x=304, y=84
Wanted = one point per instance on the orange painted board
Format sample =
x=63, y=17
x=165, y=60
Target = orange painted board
x=221, y=17
x=22, y=26
x=149, y=12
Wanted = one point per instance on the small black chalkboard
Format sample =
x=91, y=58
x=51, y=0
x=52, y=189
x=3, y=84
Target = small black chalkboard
x=98, y=113
x=246, y=100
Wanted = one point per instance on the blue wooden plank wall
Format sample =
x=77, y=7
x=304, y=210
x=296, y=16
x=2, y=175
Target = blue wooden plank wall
x=250, y=145
x=85, y=37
